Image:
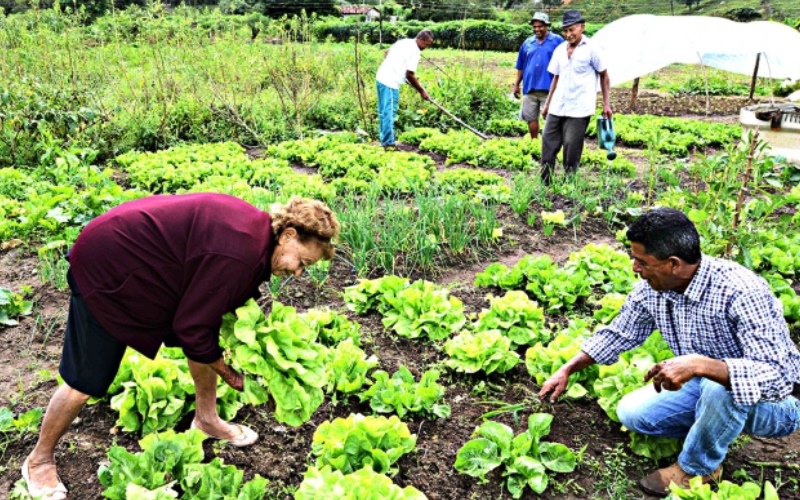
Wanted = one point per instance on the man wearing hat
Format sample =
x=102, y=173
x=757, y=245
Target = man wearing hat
x=578, y=66
x=532, y=61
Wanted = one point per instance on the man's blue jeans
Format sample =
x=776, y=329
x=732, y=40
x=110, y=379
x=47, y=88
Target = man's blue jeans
x=388, y=104
x=704, y=413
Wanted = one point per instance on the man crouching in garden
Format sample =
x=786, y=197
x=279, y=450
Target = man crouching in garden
x=734, y=366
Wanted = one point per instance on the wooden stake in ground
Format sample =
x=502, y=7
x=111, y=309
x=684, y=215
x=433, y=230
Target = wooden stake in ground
x=740, y=198
x=460, y=122
x=634, y=93
x=755, y=76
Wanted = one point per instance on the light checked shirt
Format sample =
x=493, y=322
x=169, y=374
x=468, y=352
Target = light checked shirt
x=578, y=79
x=533, y=59
x=727, y=313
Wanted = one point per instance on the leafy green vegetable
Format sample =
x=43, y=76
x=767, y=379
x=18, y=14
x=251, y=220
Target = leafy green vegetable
x=474, y=184
x=134, y=491
x=609, y=269
x=563, y=289
x=165, y=395
x=153, y=393
x=627, y=375
x=216, y=480
x=159, y=465
x=515, y=316
x=727, y=490
x=282, y=352
x=363, y=484
x=655, y=447
x=498, y=275
x=525, y=459
x=403, y=395
x=348, y=444
x=13, y=429
x=424, y=310
x=13, y=305
x=346, y=370
x=487, y=350
x=609, y=307
x=332, y=327
x=543, y=361
x=370, y=295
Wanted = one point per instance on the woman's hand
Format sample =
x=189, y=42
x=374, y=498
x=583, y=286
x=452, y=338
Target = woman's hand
x=234, y=379
x=228, y=374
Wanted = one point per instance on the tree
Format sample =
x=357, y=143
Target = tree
x=448, y=10
x=277, y=8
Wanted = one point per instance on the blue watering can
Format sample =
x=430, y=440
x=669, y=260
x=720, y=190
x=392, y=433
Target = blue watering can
x=606, y=138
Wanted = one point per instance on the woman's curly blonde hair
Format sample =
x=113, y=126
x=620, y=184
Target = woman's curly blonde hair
x=310, y=218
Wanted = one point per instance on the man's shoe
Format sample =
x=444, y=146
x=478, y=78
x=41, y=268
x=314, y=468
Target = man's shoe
x=657, y=483
x=390, y=147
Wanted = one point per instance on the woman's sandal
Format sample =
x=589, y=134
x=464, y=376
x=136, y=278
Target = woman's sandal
x=45, y=493
x=246, y=437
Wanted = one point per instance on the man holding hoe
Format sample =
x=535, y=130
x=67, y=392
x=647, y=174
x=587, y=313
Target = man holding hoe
x=735, y=365
x=399, y=65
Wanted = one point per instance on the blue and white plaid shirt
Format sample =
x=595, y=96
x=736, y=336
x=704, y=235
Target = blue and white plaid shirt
x=727, y=313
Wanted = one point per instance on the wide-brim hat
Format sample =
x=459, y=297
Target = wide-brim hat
x=541, y=16
x=572, y=17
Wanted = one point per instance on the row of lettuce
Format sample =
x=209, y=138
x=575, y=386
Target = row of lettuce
x=66, y=189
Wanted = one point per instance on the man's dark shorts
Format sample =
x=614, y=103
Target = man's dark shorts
x=91, y=357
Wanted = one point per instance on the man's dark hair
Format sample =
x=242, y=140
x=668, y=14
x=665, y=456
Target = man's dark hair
x=425, y=35
x=666, y=232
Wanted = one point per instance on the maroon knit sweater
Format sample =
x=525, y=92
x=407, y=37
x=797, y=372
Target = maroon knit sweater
x=164, y=269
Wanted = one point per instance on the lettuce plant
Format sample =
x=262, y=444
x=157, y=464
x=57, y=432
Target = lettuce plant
x=543, y=361
x=152, y=393
x=160, y=464
x=216, y=480
x=424, y=310
x=654, y=447
x=13, y=305
x=363, y=484
x=165, y=492
x=610, y=306
x=607, y=268
x=626, y=375
x=282, y=353
x=14, y=429
x=726, y=491
x=517, y=317
x=500, y=276
x=402, y=394
x=347, y=367
x=525, y=458
x=369, y=295
x=332, y=327
x=348, y=444
x=165, y=395
x=487, y=350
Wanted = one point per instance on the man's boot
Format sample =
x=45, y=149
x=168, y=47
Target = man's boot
x=657, y=483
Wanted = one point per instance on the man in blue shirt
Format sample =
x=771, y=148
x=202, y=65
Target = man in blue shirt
x=532, y=61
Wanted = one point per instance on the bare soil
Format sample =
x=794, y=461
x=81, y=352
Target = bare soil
x=29, y=355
